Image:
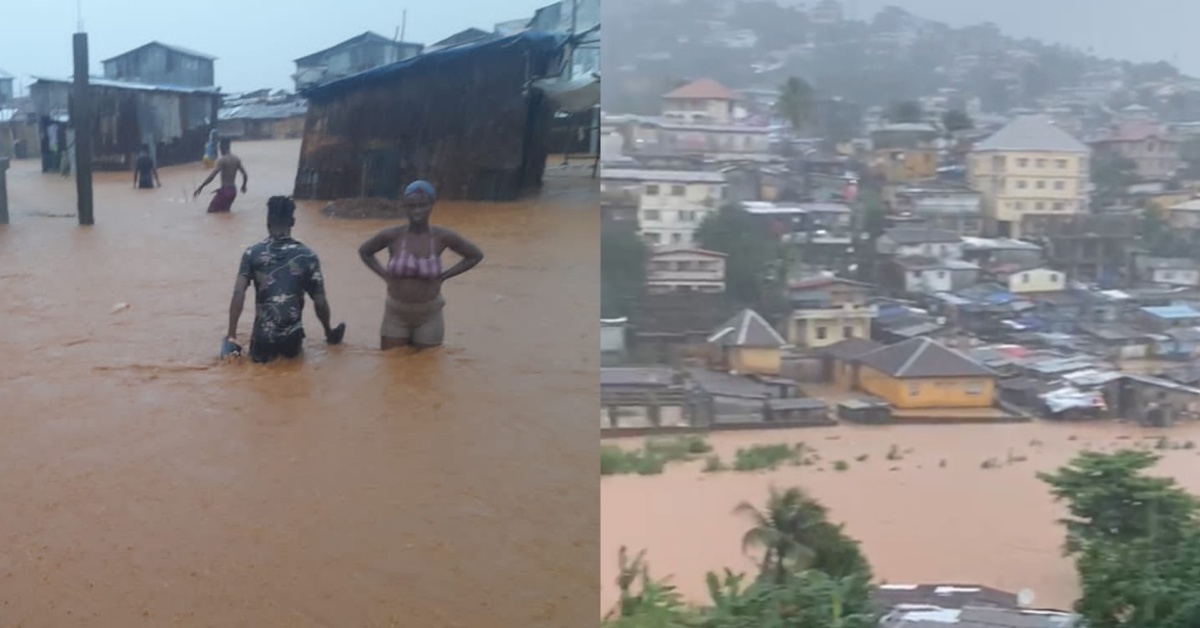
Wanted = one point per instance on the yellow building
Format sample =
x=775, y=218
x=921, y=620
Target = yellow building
x=904, y=153
x=923, y=374
x=827, y=310
x=747, y=344
x=1029, y=167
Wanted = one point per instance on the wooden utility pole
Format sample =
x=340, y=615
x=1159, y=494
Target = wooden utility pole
x=81, y=119
x=3, y=191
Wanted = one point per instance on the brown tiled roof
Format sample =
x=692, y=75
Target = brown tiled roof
x=703, y=89
x=922, y=357
x=850, y=348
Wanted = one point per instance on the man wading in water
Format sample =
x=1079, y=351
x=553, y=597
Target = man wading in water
x=228, y=166
x=282, y=271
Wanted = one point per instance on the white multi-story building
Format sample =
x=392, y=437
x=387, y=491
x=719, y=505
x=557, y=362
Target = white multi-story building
x=685, y=269
x=671, y=203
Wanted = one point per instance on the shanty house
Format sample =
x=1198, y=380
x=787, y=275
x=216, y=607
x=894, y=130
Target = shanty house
x=6, y=86
x=921, y=373
x=157, y=63
x=174, y=121
x=462, y=118
x=748, y=344
x=357, y=54
x=263, y=120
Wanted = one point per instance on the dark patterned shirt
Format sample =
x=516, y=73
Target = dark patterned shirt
x=282, y=271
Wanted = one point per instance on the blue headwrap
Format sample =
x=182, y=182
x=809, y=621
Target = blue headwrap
x=420, y=187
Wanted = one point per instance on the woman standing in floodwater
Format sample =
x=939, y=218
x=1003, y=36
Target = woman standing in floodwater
x=414, y=273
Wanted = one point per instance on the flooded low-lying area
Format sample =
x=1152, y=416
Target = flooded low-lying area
x=144, y=483
x=950, y=504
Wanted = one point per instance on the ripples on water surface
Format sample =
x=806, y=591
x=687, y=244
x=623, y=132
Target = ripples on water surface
x=141, y=481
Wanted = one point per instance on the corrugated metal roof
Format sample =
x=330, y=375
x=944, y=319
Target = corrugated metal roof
x=1172, y=311
x=263, y=111
x=665, y=176
x=179, y=49
x=103, y=82
x=538, y=43
x=1032, y=133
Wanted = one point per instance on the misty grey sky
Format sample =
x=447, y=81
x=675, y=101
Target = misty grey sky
x=1137, y=30
x=255, y=40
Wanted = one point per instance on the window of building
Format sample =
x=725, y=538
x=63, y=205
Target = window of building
x=651, y=190
x=822, y=333
x=652, y=237
x=1021, y=184
x=651, y=215
x=973, y=388
x=1024, y=277
x=1039, y=206
x=1061, y=163
x=1168, y=274
x=914, y=390
x=1060, y=185
x=1020, y=205
x=1058, y=207
x=847, y=332
x=678, y=190
x=1022, y=162
x=676, y=238
x=1041, y=185
x=1041, y=163
x=941, y=274
x=1053, y=277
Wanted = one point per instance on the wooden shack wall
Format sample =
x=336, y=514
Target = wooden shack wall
x=466, y=125
x=124, y=117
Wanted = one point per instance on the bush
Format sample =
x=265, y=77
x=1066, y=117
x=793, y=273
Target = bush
x=714, y=464
x=862, y=458
x=840, y=465
x=759, y=457
x=648, y=464
x=614, y=460
x=674, y=449
x=894, y=453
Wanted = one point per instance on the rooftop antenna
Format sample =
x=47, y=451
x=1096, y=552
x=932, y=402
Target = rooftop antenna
x=403, y=23
x=79, y=16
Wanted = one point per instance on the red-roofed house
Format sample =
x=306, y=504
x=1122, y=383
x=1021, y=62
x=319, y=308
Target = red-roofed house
x=702, y=101
x=1148, y=145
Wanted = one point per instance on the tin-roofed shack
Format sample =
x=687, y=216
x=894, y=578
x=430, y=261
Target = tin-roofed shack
x=174, y=120
x=463, y=118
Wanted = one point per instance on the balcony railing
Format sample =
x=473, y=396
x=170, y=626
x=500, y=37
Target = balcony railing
x=836, y=311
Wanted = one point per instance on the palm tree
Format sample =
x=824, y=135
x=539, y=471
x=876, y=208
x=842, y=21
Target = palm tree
x=790, y=531
x=795, y=102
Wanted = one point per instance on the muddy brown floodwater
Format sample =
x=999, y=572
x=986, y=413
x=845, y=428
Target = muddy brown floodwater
x=918, y=521
x=142, y=483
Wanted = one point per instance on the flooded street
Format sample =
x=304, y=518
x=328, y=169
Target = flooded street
x=143, y=483
x=918, y=521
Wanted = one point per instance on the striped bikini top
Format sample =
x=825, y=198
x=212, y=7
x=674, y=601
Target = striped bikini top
x=406, y=265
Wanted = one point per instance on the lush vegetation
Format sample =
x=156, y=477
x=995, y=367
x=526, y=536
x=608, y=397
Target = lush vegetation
x=757, y=264
x=653, y=456
x=1135, y=540
x=622, y=272
x=811, y=575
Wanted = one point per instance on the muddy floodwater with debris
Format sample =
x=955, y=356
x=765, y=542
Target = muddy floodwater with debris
x=144, y=483
x=936, y=503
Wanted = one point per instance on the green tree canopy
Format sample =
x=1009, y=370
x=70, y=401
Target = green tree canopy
x=1111, y=499
x=957, y=120
x=752, y=268
x=905, y=111
x=1112, y=175
x=622, y=272
x=795, y=102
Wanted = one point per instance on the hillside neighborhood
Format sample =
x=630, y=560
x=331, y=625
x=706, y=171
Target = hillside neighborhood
x=817, y=220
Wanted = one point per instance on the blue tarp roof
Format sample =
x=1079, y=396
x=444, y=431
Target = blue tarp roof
x=1172, y=311
x=538, y=43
